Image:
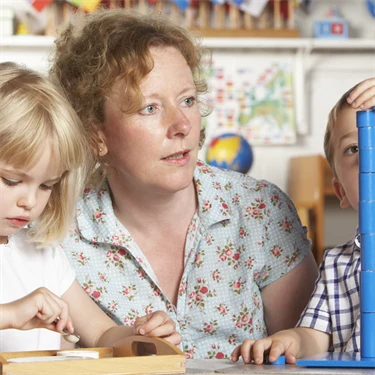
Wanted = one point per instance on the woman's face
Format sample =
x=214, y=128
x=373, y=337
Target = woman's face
x=155, y=148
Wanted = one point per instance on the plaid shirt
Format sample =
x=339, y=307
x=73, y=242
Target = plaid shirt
x=335, y=305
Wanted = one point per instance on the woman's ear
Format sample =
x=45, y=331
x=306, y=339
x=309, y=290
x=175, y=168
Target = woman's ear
x=101, y=144
x=340, y=193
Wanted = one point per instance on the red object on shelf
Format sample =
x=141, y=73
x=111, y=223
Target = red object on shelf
x=39, y=5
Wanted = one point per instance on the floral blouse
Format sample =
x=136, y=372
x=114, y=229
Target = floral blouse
x=245, y=235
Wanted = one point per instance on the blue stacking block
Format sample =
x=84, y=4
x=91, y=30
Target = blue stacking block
x=366, y=119
x=367, y=180
x=279, y=361
x=367, y=335
x=367, y=278
x=366, y=136
x=366, y=217
x=367, y=160
x=367, y=257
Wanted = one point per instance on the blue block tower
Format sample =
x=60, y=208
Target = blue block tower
x=365, y=359
x=366, y=145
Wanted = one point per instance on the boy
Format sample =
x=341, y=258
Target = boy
x=331, y=318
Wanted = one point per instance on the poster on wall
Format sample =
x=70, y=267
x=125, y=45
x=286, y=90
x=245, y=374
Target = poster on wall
x=255, y=100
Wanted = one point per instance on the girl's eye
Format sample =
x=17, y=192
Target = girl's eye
x=189, y=101
x=10, y=182
x=46, y=187
x=351, y=150
x=148, y=110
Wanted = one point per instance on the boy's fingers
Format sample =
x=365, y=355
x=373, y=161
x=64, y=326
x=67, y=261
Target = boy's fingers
x=278, y=348
x=365, y=100
x=291, y=353
x=259, y=348
x=246, y=350
x=290, y=358
x=236, y=354
x=369, y=103
x=362, y=93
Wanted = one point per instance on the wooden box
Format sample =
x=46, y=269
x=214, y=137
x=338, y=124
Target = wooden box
x=125, y=357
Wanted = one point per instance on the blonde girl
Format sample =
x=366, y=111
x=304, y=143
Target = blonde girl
x=43, y=159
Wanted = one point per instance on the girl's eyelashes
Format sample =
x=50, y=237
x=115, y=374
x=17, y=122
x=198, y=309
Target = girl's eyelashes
x=9, y=182
x=350, y=150
x=46, y=187
x=15, y=183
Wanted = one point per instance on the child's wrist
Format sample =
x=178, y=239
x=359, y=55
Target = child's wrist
x=5, y=316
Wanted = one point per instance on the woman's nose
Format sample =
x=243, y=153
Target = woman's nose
x=178, y=123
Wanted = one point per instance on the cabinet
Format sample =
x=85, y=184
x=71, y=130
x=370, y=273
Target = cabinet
x=309, y=184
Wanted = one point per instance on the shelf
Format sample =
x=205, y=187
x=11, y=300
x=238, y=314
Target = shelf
x=291, y=43
x=29, y=41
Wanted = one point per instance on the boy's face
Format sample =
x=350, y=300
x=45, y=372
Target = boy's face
x=345, y=145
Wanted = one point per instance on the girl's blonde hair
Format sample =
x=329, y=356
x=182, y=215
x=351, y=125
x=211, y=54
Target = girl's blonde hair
x=97, y=50
x=35, y=113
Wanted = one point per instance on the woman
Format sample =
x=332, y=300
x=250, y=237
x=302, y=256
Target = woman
x=223, y=254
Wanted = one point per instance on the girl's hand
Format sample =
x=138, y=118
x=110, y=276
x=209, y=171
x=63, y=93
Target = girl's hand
x=157, y=324
x=363, y=96
x=38, y=309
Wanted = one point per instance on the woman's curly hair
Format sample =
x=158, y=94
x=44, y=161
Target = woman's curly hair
x=98, y=50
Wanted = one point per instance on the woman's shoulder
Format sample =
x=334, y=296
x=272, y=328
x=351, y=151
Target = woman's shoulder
x=232, y=181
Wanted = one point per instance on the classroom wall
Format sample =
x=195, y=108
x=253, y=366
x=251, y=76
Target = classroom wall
x=327, y=75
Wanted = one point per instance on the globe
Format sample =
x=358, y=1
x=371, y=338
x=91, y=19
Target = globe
x=230, y=151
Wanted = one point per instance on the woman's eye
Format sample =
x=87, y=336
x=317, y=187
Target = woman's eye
x=351, y=150
x=10, y=182
x=190, y=101
x=148, y=110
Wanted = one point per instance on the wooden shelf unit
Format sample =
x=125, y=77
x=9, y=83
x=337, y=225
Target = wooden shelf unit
x=309, y=184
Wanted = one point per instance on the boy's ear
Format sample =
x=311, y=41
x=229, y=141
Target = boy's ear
x=340, y=193
x=101, y=145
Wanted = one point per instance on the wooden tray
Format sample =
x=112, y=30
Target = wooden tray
x=125, y=357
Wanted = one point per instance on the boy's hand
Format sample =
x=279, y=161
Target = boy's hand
x=157, y=324
x=363, y=96
x=275, y=345
x=38, y=309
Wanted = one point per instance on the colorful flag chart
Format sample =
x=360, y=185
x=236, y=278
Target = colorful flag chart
x=252, y=98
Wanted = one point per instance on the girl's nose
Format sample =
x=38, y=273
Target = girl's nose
x=27, y=200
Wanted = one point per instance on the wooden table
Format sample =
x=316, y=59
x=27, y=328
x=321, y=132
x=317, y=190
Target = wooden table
x=211, y=367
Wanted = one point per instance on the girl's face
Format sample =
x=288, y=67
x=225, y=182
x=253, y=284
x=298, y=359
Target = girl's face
x=24, y=192
x=155, y=149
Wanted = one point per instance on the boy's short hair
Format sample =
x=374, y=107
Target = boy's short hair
x=33, y=113
x=332, y=118
x=96, y=51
